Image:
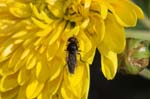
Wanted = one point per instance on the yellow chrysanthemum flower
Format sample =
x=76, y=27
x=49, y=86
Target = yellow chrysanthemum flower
x=33, y=42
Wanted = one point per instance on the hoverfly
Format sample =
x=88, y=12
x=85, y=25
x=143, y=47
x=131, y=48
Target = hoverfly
x=72, y=51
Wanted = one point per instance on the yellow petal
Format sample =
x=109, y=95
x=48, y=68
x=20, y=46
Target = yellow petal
x=33, y=89
x=42, y=49
x=124, y=13
x=39, y=23
x=86, y=42
x=104, y=10
x=75, y=85
x=20, y=10
x=19, y=65
x=31, y=61
x=85, y=23
x=137, y=9
x=37, y=42
x=114, y=36
x=56, y=66
x=52, y=50
x=44, y=32
x=56, y=9
x=85, y=52
x=112, y=1
x=46, y=18
x=18, y=41
x=14, y=58
x=70, y=32
x=5, y=70
x=8, y=82
x=54, y=85
x=86, y=84
x=25, y=53
x=50, y=89
x=23, y=76
x=99, y=28
x=91, y=55
x=7, y=50
x=65, y=94
x=95, y=6
x=87, y=3
x=36, y=12
x=61, y=54
x=22, y=92
x=19, y=34
x=51, y=2
x=56, y=33
x=109, y=63
x=9, y=94
x=43, y=95
x=42, y=70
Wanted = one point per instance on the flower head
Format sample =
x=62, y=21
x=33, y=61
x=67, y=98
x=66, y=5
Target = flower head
x=33, y=40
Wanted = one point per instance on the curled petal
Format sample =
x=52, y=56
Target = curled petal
x=125, y=12
x=109, y=63
x=137, y=9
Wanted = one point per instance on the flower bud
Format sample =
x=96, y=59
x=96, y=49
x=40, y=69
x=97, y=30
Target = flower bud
x=135, y=57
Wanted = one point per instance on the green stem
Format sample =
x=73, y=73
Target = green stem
x=138, y=34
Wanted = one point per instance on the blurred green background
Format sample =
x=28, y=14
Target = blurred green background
x=145, y=6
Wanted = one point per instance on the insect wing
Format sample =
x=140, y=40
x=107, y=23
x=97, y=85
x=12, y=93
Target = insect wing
x=71, y=61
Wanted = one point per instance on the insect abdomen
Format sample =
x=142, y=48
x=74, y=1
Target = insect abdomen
x=71, y=61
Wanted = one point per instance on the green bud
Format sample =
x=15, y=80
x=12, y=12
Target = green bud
x=135, y=57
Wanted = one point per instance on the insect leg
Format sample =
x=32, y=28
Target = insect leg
x=81, y=58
